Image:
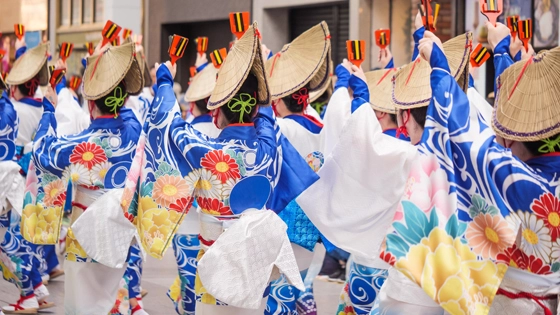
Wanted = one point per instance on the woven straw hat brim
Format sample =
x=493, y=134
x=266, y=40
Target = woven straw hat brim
x=202, y=84
x=324, y=80
x=30, y=64
x=300, y=62
x=243, y=58
x=411, y=85
x=146, y=74
x=106, y=70
x=380, y=85
x=532, y=111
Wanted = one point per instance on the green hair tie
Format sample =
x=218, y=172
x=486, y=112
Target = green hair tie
x=116, y=101
x=549, y=145
x=243, y=105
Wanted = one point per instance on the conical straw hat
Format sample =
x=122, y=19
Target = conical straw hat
x=380, y=85
x=300, y=62
x=244, y=57
x=528, y=99
x=106, y=70
x=202, y=84
x=146, y=78
x=411, y=85
x=325, y=82
x=33, y=62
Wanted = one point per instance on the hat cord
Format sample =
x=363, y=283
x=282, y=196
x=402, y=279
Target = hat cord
x=529, y=61
x=302, y=97
x=550, y=145
x=116, y=101
x=243, y=105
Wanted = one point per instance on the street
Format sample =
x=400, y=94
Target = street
x=157, y=277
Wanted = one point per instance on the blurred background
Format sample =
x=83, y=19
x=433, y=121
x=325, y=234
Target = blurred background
x=280, y=21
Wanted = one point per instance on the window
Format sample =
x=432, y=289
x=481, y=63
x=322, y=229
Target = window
x=78, y=12
x=65, y=12
x=87, y=11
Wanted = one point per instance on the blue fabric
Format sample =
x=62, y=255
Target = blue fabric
x=364, y=284
x=417, y=35
x=306, y=122
x=391, y=64
x=471, y=81
x=201, y=67
x=342, y=77
x=186, y=249
x=50, y=257
x=133, y=273
x=84, y=62
x=61, y=85
x=502, y=60
x=393, y=133
x=202, y=119
x=31, y=102
x=25, y=255
x=518, y=56
x=300, y=229
x=20, y=52
x=8, y=128
x=361, y=92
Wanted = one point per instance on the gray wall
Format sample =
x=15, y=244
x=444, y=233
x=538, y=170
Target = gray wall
x=160, y=12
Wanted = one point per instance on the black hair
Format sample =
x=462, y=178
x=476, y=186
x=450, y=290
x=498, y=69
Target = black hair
x=541, y=147
x=251, y=87
x=101, y=102
x=393, y=118
x=201, y=105
x=30, y=87
x=293, y=104
x=419, y=115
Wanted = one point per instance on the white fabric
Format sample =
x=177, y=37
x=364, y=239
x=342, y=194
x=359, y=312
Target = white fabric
x=361, y=184
x=372, y=261
x=29, y=117
x=190, y=224
x=315, y=268
x=207, y=309
x=399, y=295
x=483, y=107
x=238, y=267
x=304, y=141
x=70, y=118
x=207, y=128
x=90, y=288
x=336, y=116
x=133, y=102
x=11, y=187
x=103, y=231
x=309, y=110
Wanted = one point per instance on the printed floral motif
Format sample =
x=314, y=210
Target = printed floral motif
x=213, y=206
x=489, y=235
x=169, y=189
x=220, y=164
x=536, y=265
x=77, y=174
x=535, y=238
x=74, y=251
x=205, y=183
x=182, y=205
x=315, y=160
x=156, y=225
x=52, y=191
x=99, y=171
x=513, y=257
x=460, y=276
x=347, y=310
x=88, y=154
x=547, y=208
x=41, y=225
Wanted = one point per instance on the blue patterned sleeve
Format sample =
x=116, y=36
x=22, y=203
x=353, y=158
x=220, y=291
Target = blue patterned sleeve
x=417, y=35
x=502, y=59
x=343, y=76
x=8, y=128
x=361, y=92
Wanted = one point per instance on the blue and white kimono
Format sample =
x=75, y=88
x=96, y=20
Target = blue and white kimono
x=250, y=157
x=495, y=212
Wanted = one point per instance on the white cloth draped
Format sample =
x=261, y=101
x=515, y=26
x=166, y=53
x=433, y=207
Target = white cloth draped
x=70, y=118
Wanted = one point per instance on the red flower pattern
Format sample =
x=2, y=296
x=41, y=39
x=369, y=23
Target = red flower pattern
x=129, y=216
x=388, y=257
x=513, y=257
x=60, y=200
x=213, y=206
x=547, y=207
x=88, y=154
x=182, y=205
x=536, y=265
x=220, y=164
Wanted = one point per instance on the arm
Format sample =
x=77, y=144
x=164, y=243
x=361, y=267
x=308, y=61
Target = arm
x=343, y=76
x=8, y=128
x=417, y=35
x=361, y=92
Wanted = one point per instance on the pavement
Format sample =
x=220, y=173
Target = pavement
x=158, y=275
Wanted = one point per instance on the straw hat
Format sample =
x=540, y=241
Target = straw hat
x=303, y=61
x=411, y=85
x=146, y=78
x=326, y=81
x=528, y=100
x=202, y=84
x=30, y=64
x=380, y=85
x=106, y=70
x=243, y=57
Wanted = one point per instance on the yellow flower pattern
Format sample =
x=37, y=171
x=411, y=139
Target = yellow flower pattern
x=74, y=251
x=462, y=284
x=41, y=225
